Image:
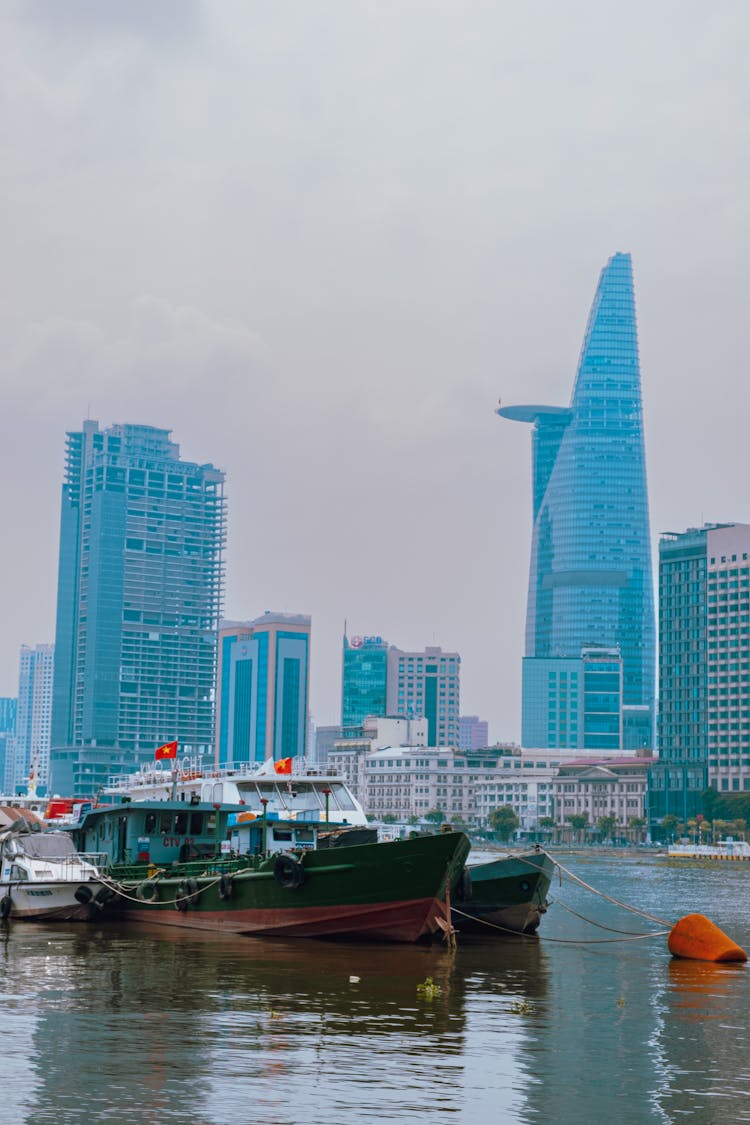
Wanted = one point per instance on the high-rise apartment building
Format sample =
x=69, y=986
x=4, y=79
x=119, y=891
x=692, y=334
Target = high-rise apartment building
x=590, y=584
x=31, y=742
x=704, y=668
x=139, y=599
x=263, y=688
x=426, y=684
x=363, y=680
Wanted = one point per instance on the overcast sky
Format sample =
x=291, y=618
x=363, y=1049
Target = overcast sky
x=318, y=240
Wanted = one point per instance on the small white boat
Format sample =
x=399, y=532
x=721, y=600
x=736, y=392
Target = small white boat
x=44, y=878
x=724, y=849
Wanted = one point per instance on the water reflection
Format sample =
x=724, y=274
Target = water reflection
x=107, y=1022
x=179, y=1026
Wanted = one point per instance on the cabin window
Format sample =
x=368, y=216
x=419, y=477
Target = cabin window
x=166, y=824
x=280, y=834
x=18, y=874
x=150, y=826
x=180, y=824
x=196, y=824
x=305, y=836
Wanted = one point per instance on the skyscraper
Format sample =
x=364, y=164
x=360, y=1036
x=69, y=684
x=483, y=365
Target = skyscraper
x=365, y=671
x=7, y=735
x=31, y=743
x=139, y=598
x=704, y=668
x=263, y=688
x=590, y=583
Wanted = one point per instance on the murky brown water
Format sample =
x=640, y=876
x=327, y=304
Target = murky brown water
x=104, y=1023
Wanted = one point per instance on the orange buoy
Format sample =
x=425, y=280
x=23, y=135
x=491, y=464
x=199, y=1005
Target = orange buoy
x=696, y=937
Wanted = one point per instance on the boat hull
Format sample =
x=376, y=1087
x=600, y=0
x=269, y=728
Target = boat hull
x=51, y=902
x=507, y=895
x=383, y=892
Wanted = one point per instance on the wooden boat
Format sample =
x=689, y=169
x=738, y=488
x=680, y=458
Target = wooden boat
x=506, y=894
x=228, y=869
x=43, y=877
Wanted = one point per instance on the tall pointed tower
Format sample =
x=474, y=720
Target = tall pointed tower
x=589, y=669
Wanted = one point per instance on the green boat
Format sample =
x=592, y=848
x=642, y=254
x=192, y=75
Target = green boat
x=505, y=895
x=229, y=870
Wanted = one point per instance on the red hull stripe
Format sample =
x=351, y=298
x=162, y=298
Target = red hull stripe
x=389, y=921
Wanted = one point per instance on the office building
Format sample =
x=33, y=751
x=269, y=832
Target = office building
x=590, y=584
x=704, y=668
x=473, y=732
x=263, y=688
x=426, y=684
x=139, y=598
x=31, y=743
x=363, y=680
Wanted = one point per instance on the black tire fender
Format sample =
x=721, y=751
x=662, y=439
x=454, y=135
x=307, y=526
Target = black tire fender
x=288, y=872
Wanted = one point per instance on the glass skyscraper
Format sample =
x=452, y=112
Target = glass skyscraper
x=364, y=679
x=590, y=579
x=138, y=605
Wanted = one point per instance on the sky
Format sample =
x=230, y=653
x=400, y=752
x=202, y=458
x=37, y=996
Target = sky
x=318, y=241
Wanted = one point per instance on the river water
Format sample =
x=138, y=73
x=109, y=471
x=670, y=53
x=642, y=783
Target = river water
x=102, y=1022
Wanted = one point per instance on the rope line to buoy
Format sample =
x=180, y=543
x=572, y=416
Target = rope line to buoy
x=558, y=941
x=609, y=898
x=602, y=926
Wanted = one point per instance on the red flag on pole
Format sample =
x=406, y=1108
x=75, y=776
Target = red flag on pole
x=284, y=765
x=168, y=750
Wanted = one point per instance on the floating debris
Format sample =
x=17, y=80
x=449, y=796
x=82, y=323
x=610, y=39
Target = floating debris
x=429, y=989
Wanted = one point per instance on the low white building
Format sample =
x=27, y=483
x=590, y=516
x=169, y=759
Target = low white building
x=410, y=781
x=612, y=786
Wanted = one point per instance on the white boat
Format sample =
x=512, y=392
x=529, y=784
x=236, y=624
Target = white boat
x=305, y=793
x=43, y=877
x=725, y=849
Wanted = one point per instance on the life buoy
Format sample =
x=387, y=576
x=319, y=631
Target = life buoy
x=288, y=872
x=83, y=895
x=226, y=887
x=6, y=904
x=148, y=891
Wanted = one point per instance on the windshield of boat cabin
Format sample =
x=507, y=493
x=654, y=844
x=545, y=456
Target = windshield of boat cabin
x=48, y=845
x=300, y=796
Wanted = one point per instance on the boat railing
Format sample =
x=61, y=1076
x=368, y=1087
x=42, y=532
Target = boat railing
x=197, y=769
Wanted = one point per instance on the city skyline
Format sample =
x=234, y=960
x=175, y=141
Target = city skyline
x=328, y=292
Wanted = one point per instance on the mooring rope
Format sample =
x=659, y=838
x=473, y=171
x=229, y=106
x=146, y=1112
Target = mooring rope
x=609, y=898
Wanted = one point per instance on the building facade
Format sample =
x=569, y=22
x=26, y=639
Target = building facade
x=473, y=732
x=409, y=781
x=263, y=689
x=605, y=787
x=426, y=684
x=704, y=668
x=590, y=583
x=28, y=761
x=139, y=598
x=363, y=679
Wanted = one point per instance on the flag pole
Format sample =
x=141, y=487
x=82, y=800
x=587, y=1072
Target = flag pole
x=174, y=777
